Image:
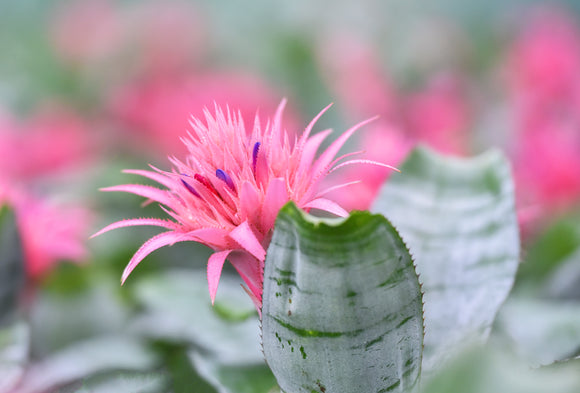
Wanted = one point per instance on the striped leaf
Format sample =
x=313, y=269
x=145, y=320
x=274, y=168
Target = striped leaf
x=342, y=306
x=458, y=218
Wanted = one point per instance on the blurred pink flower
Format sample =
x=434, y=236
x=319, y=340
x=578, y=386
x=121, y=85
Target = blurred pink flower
x=50, y=232
x=169, y=36
x=547, y=167
x=436, y=114
x=382, y=143
x=545, y=57
x=228, y=191
x=135, y=35
x=156, y=111
x=32, y=151
x=439, y=116
x=86, y=31
x=354, y=74
x=544, y=77
x=45, y=144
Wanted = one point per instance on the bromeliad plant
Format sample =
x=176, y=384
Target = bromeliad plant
x=341, y=304
x=230, y=188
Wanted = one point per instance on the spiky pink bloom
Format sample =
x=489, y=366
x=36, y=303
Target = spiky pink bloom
x=228, y=191
x=169, y=102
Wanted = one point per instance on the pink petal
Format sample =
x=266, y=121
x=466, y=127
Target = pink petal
x=337, y=187
x=276, y=126
x=249, y=201
x=251, y=270
x=136, y=222
x=257, y=301
x=327, y=205
x=215, y=264
x=158, y=177
x=245, y=237
x=308, y=129
x=326, y=158
x=215, y=238
x=310, y=149
x=145, y=191
x=158, y=241
x=276, y=196
x=363, y=161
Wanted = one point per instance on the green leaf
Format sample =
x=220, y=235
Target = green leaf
x=564, y=282
x=542, y=331
x=150, y=382
x=178, y=308
x=14, y=346
x=87, y=358
x=12, y=275
x=458, y=218
x=183, y=373
x=251, y=378
x=342, y=307
x=50, y=315
x=227, y=353
x=492, y=370
x=556, y=245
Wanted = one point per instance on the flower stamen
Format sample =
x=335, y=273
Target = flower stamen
x=189, y=187
x=255, y=156
x=207, y=184
x=220, y=174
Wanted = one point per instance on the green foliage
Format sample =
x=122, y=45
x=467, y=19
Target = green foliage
x=342, y=306
x=491, y=370
x=14, y=347
x=12, y=274
x=458, y=218
x=14, y=333
x=122, y=382
x=222, y=341
x=552, y=261
x=87, y=358
x=541, y=331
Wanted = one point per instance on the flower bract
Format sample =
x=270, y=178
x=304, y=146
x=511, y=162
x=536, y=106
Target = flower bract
x=228, y=190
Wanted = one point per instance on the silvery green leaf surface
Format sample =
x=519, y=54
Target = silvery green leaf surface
x=50, y=315
x=342, y=306
x=14, y=347
x=251, y=378
x=541, y=331
x=458, y=218
x=177, y=308
x=493, y=370
x=84, y=359
x=150, y=382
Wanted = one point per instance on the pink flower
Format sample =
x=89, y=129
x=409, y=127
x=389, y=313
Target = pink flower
x=94, y=34
x=50, y=232
x=228, y=191
x=381, y=141
x=546, y=56
x=353, y=73
x=169, y=102
x=547, y=167
x=85, y=31
x=47, y=143
x=47, y=146
x=439, y=115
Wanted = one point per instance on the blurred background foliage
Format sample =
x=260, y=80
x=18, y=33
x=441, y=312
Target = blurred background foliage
x=88, y=88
